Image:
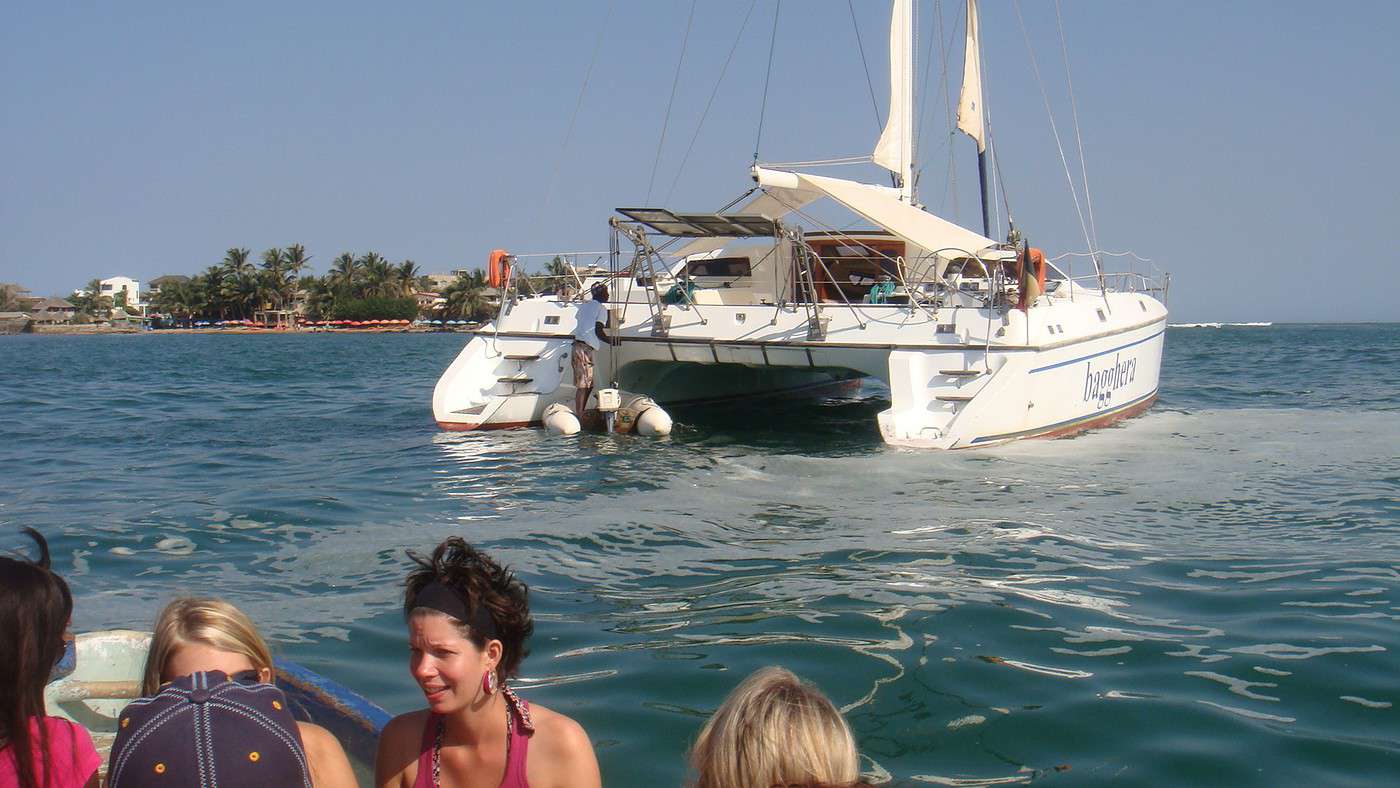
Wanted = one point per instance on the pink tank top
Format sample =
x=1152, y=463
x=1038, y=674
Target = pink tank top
x=517, y=747
x=72, y=759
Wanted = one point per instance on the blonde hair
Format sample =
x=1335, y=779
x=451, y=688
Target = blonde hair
x=211, y=622
x=775, y=729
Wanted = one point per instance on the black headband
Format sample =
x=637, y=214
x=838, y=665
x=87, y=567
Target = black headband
x=445, y=599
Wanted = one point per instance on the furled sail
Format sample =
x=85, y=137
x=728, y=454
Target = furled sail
x=970, y=103
x=895, y=150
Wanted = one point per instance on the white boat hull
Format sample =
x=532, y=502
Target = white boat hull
x=974, y=377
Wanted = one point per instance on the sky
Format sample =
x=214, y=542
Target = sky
x=1248, y=148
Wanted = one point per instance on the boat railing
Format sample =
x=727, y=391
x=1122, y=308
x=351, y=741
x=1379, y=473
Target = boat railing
x=1126, y=282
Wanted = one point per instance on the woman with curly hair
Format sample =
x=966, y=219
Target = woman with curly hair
x=468, y=620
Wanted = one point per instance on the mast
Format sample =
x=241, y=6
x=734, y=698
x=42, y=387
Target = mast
x=970, y=110
x=895, y=149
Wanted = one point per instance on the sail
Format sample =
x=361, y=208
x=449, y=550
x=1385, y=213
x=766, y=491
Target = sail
x=895, y=150
x=883, y=206
x=970, y=103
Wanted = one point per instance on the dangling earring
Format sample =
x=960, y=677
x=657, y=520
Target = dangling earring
x=488, y=682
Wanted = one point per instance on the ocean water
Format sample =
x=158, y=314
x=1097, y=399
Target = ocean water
x=1206, y=595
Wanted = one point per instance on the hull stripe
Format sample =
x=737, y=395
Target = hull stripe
x=1083, y=421
x=1100, y=353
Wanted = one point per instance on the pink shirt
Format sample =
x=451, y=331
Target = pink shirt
x=72, y=758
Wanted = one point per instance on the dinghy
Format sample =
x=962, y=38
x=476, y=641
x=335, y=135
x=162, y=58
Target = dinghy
x=105, y=674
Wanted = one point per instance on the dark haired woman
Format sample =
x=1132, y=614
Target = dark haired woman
x=468, y=620
x=35, y=750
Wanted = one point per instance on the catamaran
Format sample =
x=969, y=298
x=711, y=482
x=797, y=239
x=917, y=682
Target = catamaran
x=979, y=341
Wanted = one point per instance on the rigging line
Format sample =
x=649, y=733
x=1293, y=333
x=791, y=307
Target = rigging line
x=923, y=107
x=996, y=168
x=763, y=108
x=1102, y=253
x=1078, y=138
x=578, y=104
x=998, y=187
x=951, y=185
x=1074, y=193
x=703, y=115
x=675, y=82
x=879, y=124
x=820, y=162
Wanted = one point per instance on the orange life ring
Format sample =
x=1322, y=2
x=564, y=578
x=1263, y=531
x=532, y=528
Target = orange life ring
x=498, y=268
x=1036, y=260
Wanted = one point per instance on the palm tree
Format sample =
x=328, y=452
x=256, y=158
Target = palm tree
x=91, y=302
x=275, y=279
x=379, y=276
x=465, y=297
x=559, y=271
x=407, y=277
x=296, y=259
x=320, y=296
x=211, y=282
x=345, y=271
x=9, y=295
x=236, y=261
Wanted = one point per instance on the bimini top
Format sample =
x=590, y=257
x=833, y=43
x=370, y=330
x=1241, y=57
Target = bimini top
x=702, y=225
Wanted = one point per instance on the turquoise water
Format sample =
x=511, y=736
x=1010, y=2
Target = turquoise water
x=1207, y=594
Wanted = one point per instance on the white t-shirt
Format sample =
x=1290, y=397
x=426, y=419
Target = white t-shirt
x=590, y=314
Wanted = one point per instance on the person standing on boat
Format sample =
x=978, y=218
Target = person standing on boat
x=468, y=620
x=588, y=335
x=35, y=749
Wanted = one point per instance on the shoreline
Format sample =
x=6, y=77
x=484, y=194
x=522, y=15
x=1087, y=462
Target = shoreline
x=91, y=330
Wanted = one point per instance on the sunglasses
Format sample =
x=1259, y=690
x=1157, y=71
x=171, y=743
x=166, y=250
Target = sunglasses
x=68, y=662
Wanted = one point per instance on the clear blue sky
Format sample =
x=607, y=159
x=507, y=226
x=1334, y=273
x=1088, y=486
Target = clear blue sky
x=1248, y=147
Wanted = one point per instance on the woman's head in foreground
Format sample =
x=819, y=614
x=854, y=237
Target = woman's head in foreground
x=35, y=607
x=775, y=729
x=194, y=634
x=468, y=620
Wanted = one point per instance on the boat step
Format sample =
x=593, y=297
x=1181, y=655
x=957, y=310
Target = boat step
x=960, y=373
x=515, y=379
x=954, y=397
x=521, y=357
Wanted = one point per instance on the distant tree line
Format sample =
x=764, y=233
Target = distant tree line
x=366, y=287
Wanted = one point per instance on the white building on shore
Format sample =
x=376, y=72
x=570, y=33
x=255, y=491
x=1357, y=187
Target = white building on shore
x=115, y=286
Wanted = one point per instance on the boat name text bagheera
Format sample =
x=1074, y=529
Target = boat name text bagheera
x=1100, y=384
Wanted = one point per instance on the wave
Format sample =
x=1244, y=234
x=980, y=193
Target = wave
x=1220, y=325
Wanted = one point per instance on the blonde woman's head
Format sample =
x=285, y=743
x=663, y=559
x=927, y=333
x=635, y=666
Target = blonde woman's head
x=203, y=634
x=775, y=729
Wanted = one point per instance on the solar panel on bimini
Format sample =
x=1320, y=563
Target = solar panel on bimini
x=700, y=225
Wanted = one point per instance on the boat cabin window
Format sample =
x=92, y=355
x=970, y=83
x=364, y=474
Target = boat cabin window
x=725, y=267
x=846, y=269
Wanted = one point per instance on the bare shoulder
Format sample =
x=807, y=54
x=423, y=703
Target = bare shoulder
x=330, y=768
x=316, y=738
x=560, y=751
x=397, y=760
